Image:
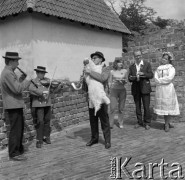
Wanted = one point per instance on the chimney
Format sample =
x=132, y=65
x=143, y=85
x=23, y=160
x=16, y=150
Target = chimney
x=30, y=5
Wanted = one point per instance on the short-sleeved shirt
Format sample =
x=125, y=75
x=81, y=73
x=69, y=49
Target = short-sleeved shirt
x=118, y=75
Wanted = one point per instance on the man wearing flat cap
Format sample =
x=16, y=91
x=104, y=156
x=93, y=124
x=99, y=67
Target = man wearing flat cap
x=102, y=113
x=41, y=106
x=13, y=103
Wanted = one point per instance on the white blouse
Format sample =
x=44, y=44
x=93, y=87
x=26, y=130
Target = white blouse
x=164, y=74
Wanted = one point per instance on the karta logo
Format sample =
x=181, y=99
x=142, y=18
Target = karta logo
x=119, y=169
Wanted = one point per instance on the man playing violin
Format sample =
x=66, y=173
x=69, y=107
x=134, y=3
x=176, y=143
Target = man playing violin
x=41, y=106
x=13, y=104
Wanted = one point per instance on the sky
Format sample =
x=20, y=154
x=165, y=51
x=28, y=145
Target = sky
x=167, y=9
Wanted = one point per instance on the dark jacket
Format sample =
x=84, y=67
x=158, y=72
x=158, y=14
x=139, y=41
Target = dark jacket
x=143, y=85
x=37, y=98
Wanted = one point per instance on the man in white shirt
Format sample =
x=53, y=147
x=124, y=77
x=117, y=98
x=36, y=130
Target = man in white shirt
x=139, y=74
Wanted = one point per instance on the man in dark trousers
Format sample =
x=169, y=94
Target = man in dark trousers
x=139, y=74
x=102, y=114
x=13, y=104
x=42, y=106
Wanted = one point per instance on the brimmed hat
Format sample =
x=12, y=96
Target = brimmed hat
x=12, y=55
x=100, y=54
x=41, y=69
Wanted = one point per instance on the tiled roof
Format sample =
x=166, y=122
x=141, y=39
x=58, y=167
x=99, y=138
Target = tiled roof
x=93, y=12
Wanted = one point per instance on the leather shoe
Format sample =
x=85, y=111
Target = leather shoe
x=24, y=150
x=137, y=126
x=18, y=158
x=91, y=142
x=147, y=127
x=170, y=126
x=47, y=140
x=107, y=145
x=121, y=126
x=38, y=144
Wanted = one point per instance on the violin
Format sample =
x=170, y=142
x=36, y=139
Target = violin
x=54, y=83
x=45, y=82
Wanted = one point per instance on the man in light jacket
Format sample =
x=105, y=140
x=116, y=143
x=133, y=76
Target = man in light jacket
x=13, y=103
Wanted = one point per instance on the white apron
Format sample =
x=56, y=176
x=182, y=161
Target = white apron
x=166, y=102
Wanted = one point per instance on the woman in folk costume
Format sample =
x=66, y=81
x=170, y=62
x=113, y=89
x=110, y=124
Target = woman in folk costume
x=96, y=91
x=166, y=102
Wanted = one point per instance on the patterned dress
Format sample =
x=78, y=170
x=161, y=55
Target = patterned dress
x=166, y=102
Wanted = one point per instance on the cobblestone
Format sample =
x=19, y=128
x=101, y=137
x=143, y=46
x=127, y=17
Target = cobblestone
x=68, y=158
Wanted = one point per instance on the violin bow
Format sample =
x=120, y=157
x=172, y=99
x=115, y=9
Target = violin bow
x=51, y=82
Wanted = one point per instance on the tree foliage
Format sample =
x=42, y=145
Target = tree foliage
x=136, y=15
x=138, y=18
x=162, y=23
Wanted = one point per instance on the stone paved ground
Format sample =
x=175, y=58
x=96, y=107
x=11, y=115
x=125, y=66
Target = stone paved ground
x=67, y=158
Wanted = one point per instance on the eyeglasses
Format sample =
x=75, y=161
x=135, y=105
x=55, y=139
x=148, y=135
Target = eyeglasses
x=94, y=58
x=137, y=55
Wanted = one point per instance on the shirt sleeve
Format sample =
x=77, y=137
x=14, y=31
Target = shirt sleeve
x=35, y=91
x=168, y=79
x=14, y=85
x=126, y=75
x=104, y=76
x=156, y=78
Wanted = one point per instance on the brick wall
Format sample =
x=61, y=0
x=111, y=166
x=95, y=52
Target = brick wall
x=68, y=107
x=152, y=46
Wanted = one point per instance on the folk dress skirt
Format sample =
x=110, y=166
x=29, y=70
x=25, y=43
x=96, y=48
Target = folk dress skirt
x=166, y=102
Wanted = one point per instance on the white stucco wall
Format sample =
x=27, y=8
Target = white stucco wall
x=50, y=42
